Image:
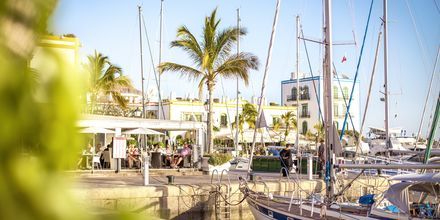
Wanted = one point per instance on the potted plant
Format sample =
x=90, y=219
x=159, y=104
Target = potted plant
x=216, y=161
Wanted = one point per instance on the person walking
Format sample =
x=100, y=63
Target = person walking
x=286, y=159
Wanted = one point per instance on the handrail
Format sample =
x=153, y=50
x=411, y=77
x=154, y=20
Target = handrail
x=212, y=175
x=265, y=187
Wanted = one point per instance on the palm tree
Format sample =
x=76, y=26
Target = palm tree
x=250, y=114
x=212, y=59
x=105, y=78
x=289, y=122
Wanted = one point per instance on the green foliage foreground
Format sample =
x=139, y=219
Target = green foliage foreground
x=38, y=113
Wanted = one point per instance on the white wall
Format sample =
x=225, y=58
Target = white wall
x=286, y=87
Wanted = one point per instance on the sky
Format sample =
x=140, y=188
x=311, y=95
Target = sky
x=111, y=27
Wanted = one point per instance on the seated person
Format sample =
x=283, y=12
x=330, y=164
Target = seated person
x=166, y=156
x=185, y=152
x=132, y=156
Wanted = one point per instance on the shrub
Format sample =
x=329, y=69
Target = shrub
x=216, y=159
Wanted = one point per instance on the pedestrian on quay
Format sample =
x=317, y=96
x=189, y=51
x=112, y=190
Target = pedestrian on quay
x=286, y=159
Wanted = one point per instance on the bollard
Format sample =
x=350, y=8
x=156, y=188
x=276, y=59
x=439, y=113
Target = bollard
x=146, y=170
x=251, y=176
x=310, y=167
x=170, y=179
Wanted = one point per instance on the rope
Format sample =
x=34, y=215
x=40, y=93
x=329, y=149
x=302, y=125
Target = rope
x=152, y=63
x=357, y=71
x=311, y=73
x=227, y=110
x=427, y=97
x=263, y=85
x=343, y=97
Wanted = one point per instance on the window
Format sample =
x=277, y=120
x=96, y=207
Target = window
x=293, y=93
x=305, y=93
x=224, y=120
x=336, y=110
x=304, y=127
x=335, y=92
x=192, y=117
x=305, y=111
x=345, y=91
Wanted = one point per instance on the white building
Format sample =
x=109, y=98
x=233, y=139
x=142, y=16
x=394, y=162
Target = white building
x=311, y=101
x=224, y=112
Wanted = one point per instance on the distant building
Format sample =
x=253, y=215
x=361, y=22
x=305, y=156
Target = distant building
x=224, y=111
x=310, y=98
x=65, y=47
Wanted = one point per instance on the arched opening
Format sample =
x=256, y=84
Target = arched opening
x=305, y=93
x=293, y=94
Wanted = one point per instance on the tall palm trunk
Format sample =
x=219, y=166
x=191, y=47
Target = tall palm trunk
x=210, y=127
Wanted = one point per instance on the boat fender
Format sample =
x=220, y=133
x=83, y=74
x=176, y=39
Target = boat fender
x=270, y=196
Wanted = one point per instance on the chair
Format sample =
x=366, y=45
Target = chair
x=96, y=162
x=107, y=159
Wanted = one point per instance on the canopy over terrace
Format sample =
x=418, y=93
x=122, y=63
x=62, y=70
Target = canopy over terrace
x=123, y=123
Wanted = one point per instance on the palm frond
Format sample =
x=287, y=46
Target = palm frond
x=238, y=66
x=119, y=99
x=189, y=44
x=187, y=71
x=225, y=40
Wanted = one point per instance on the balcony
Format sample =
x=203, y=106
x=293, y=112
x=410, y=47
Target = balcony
x=291, y=98
x=304, y=97
x=304, y=115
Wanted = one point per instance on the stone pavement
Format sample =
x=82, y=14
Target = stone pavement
x=136, y=179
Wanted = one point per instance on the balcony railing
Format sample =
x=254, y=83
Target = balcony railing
x=304, y=97
x=291, y=98
x=305, y=115
x=301, y=97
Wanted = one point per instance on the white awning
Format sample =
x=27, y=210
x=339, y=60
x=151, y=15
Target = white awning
x=398, y=195
x=142, y=131
x=426, y=177
x=96, y=130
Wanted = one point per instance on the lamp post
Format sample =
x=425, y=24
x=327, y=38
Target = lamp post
x=206, y=105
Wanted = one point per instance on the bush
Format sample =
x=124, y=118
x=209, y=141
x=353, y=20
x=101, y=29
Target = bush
x=219, y=158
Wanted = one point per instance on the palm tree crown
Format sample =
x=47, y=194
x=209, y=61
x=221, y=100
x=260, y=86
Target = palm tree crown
x=212, y=59
x=106, y=78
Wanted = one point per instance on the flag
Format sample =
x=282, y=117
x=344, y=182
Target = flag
x=344, y=58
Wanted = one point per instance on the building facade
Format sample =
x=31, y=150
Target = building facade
x=311, y=102
x=65, y=47
x=224, y=111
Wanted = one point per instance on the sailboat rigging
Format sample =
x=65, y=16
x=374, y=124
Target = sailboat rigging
x=280, y=207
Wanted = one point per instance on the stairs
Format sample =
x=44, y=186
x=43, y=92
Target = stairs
x=222, y=201
x=222, y=196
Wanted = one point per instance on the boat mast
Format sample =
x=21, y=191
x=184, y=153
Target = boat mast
x=160, y=59
x=297, y=86
x=328, y=99
x=236, y=110
x=142, y=63
x=385, y=57
x=143, y=145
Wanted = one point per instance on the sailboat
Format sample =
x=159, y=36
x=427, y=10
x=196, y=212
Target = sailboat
x=394, y=203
